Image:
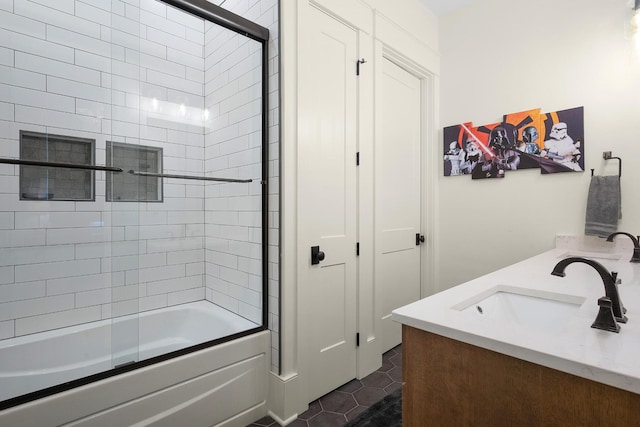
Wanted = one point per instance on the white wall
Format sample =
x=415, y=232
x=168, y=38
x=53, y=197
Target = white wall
x=501, y=57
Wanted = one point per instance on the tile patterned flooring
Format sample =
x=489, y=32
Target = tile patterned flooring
x=338, y=407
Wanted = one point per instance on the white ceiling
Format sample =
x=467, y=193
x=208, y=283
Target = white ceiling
x=442, y=7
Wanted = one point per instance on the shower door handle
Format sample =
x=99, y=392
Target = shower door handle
x=316, y=255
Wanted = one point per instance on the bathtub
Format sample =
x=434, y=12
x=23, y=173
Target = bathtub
x=46, y=359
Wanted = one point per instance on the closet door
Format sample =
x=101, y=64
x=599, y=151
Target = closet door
x=327, y=203
x=397, y=196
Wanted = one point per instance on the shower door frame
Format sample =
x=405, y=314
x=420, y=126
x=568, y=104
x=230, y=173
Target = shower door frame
x=220, y=16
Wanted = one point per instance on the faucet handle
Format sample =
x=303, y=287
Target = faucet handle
x=605, y=319
x=616, y=281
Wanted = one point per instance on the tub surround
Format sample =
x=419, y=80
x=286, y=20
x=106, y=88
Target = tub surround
x=37, y=361
x=196, y=389
x=146, y=75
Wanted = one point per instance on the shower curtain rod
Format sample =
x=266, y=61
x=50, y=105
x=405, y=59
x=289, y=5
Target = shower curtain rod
x=118, y=170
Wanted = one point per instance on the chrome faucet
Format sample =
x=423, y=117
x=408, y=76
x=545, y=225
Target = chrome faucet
x=636, y=244
x=608, y=279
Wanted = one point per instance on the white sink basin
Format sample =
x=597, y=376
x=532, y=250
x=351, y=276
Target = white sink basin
x=618, y=262
x=529, y=308
x=592, y=255
x=601, y=257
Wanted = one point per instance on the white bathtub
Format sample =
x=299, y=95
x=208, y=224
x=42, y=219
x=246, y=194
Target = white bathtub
x=45, y=359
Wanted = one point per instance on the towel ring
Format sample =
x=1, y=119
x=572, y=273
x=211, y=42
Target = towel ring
x=607, y=155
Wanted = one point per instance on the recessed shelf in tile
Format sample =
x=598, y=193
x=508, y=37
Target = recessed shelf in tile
x=54, y=183
x=125, y=187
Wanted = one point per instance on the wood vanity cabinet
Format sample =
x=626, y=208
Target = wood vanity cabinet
x=451, y=383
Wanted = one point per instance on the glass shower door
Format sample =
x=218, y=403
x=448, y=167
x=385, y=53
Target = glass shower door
x=132, y=186
x=124, y=196
x=187, y=130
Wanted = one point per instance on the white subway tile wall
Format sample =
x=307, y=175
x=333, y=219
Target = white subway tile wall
x=136, y=72
x=232, y=89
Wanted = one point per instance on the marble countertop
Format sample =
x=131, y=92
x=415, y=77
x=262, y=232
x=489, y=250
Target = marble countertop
x=571, y=346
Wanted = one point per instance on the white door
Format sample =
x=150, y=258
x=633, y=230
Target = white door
x=397, y=196
x=327, y=203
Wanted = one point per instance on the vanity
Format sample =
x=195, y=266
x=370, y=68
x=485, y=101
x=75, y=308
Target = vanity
x=515, y=347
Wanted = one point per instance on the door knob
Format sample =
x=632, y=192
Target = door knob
x=316, y=255
x=419, y=239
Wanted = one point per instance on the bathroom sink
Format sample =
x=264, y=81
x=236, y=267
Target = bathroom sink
x=612, y=261
x=529, y=308
x=601, y=257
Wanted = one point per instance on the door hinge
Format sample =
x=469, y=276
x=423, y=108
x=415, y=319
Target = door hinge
x=358, y=249
x=357, y=339
x=358, y=158
x=360, y=61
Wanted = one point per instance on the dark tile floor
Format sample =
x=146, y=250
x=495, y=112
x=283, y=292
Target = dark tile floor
x=345, y=403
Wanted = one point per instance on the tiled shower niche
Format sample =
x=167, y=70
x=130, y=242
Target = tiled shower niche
x=51, y=183
x=126, y=187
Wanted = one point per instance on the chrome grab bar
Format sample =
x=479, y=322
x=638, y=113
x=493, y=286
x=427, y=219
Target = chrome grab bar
x=113, y=169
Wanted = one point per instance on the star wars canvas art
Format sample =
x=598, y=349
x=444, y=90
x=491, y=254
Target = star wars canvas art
x=552, y=142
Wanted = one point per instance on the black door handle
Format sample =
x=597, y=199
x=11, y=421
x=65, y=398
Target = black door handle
x=419, y=239
x=316, y=255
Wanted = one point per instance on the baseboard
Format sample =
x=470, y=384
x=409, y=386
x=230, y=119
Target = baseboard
x=281, y=421
x=284, y=403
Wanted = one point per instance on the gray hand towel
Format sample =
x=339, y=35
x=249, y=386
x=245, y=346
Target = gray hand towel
x=603, y=206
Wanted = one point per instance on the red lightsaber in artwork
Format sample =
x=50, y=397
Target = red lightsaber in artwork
x=483, y=147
